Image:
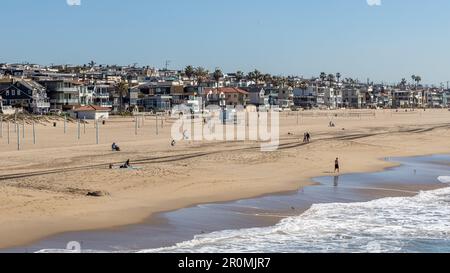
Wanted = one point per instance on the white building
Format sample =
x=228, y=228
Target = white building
x=92, y=112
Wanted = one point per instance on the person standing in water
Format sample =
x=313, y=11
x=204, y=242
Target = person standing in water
x=336, y=165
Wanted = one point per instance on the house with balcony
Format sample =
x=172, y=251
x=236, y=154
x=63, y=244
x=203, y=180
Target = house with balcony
x=228, y=95
x=152, y=96
x=435, y=98
x=333, y=97
x=64, y=94
x=305, y=97
x=26, y=94
x=402, y=98
x=102, y=94
x=286, y=97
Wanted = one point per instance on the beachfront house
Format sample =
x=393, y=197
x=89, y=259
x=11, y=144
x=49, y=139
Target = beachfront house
x=26, y=94
x=257, y=96
x=64, y=94
x=92, y=112
x=446, y=98
x=228, y=95
x=434, y=98
x=101, y=94
x=286, y=97
x=354, y=97
x=333, y=97
x=305, y=97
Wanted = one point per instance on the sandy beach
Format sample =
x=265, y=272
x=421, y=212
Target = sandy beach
x=43, y=187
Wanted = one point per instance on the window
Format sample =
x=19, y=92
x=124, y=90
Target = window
x=18, y=92
x=13, y=93
x=7, y=92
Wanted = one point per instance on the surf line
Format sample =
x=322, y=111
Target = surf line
x=377, y=189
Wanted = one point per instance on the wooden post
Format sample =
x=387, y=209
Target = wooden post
x=156, y=123
x=1, y=127
x=84, y=125
x=96, y=132
x=65, y=124
x=23, y=128
x=79, y=129
x=135, y=125
x=18, y=136
x=8, y=130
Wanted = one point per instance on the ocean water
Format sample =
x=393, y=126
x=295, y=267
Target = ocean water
x=399, y=224
x=336, y=216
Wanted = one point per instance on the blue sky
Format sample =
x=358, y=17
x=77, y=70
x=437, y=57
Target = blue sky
x=301, y=37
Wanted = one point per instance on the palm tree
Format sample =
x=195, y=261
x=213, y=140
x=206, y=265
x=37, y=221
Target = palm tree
x=403, y=82
x=217, y=75
x=201, y=74
x=322, y=77
x=189, y=71
x=338, y=77
x=267, y=78
x=239, y=75
x=122, y=90
x=330, y=79
x=92, y=64
x=255, y=76
x=418, y=80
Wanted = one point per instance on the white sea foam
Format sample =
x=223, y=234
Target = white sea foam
x=400, y=224
x=444, y=179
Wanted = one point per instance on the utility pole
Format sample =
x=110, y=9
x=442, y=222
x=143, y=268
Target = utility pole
x=167, y=64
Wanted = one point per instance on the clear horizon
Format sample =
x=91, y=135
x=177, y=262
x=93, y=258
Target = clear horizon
x=384, y=42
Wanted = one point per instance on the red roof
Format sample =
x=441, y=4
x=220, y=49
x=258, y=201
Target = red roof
x=226, y=90
x=91, y=108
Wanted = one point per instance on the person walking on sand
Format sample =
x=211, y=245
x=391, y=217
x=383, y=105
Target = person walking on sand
x=336, y=165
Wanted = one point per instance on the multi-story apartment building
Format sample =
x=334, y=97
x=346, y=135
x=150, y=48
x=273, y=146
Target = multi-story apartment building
x=63, y=94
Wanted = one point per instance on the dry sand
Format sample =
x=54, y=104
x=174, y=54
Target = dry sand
x=43, y=187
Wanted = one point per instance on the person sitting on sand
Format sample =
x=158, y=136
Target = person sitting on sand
x=115, y=147
x=336, y=165
x=173, y=143
x=126, y=165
